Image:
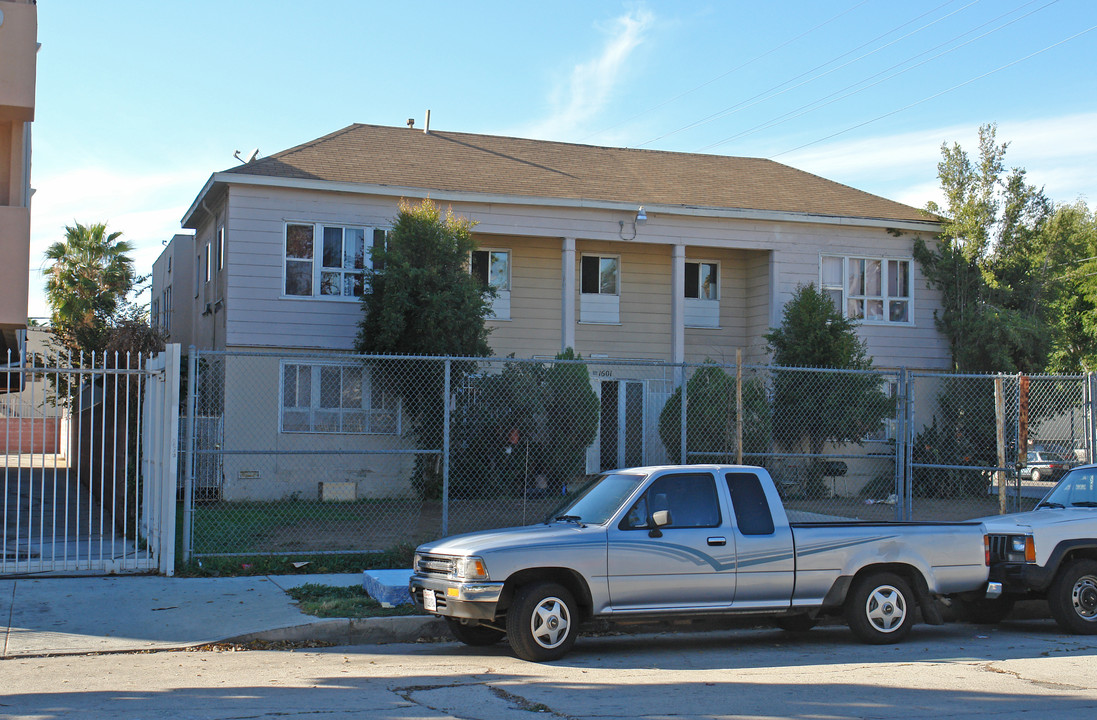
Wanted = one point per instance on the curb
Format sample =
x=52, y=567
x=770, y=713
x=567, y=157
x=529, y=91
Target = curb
x=356, y=631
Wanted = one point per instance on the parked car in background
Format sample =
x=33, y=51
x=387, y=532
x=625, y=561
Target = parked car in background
x=1044, y=465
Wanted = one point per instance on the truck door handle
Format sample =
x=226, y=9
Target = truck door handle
x=717, y=541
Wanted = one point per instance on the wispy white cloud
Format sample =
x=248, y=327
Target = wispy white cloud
x=591, y=84
x=1057, y=153
x=145, y=206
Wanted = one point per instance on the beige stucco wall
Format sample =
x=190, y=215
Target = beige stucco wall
x=763, y=261
x=293, y=464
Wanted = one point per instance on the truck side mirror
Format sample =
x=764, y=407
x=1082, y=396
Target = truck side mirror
x=659, y=518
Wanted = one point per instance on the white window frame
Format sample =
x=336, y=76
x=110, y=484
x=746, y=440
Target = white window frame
x=848, y=297
x=167, y=310
x=317, y=259
x=208, y=264
x=600, y=308
x=373, y=416
x=220, y=248
x=500, y=304
x=701, y=312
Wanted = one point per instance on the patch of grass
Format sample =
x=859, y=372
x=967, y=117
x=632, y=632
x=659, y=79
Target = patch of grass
x=327, y=601
x=399, y=556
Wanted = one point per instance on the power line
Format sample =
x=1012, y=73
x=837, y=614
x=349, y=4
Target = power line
x=935, y=95
x=765, y=94
x=836, y=95
x=729, y=72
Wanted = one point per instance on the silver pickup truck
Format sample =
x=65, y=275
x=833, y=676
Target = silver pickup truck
x=694, y=540
x=1049, y=553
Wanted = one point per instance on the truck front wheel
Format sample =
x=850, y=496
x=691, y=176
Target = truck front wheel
x=542, y=622
x=879, y=608
x=1072, y=597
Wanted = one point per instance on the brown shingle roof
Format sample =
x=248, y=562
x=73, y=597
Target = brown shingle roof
x=464, y=162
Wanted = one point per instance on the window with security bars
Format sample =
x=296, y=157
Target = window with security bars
x=873, y=290
x=336, y=398
x=323, y=260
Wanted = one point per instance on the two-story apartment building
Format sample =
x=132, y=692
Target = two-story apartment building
x=18, y=57
x=618, y=253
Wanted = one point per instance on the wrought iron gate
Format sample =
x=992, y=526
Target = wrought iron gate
x=89, y=446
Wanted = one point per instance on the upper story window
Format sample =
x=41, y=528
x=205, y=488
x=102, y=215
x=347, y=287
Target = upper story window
x=874, y=290
x=207, y=264
x=221, y=248
x=601, y=275
x=492, y=269
x=600, y=289
x=323, y=260
x=167, y=309
x=154, y=314
x=702, y=290
x=703, y=280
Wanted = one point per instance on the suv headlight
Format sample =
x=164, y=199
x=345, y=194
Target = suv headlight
x=470, y=568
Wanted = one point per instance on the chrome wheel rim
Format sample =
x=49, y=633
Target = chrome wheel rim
x=550, y=623
x=1083, y=597
x=886, y=608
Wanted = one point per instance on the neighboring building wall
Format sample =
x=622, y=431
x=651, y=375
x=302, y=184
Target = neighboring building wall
x=172, y=305
x=18, y=57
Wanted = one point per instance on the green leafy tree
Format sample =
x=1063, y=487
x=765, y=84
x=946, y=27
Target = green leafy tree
x=711, y=416
x=420, y=299
x=527, y=424
x=89, y=276
x=1073, y=228
x=991, y=262
x=811, y=409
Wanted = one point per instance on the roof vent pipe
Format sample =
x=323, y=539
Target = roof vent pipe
x=426, y=124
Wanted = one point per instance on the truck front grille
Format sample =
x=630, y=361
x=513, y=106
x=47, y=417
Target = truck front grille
x=436, y=565
x=999, y=548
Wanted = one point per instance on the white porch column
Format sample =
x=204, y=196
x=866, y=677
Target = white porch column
x=678, y=305
x=567, y=294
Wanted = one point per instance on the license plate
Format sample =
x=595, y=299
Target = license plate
x=430, y=602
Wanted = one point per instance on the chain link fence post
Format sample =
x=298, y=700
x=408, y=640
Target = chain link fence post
x=188, y=477
x=446, y=447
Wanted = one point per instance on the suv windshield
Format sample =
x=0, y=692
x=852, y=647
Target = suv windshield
x=1078, y=488
x=598, y=501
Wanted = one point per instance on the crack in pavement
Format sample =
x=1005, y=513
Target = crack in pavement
x=511, y=700
x=989, y=667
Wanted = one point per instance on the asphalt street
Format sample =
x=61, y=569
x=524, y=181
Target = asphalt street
x=1019, y=671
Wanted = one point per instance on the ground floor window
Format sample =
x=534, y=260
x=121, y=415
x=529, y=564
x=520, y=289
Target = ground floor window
x=336, y=398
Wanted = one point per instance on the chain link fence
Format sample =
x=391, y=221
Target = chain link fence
x=325, y=453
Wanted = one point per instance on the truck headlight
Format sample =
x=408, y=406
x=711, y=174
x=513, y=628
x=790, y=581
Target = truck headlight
x=415, y=561
x=470, y=568
x=1017, y=544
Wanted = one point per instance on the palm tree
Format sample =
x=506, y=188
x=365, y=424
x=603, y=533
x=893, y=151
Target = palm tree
x=86, y=283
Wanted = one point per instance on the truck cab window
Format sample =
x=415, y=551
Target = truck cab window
x=752, y=514
x=690, y=499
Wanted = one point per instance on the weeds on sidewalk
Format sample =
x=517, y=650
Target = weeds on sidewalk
x=327, y=601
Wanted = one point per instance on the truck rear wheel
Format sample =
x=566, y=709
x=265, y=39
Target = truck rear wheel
x=542, y=622
x=474, y=635
x=880, y=608
x=1072, y=597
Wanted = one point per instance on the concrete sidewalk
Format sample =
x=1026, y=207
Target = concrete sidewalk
x=64, y=616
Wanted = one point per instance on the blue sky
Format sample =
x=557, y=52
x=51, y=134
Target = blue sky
x=139, y=102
